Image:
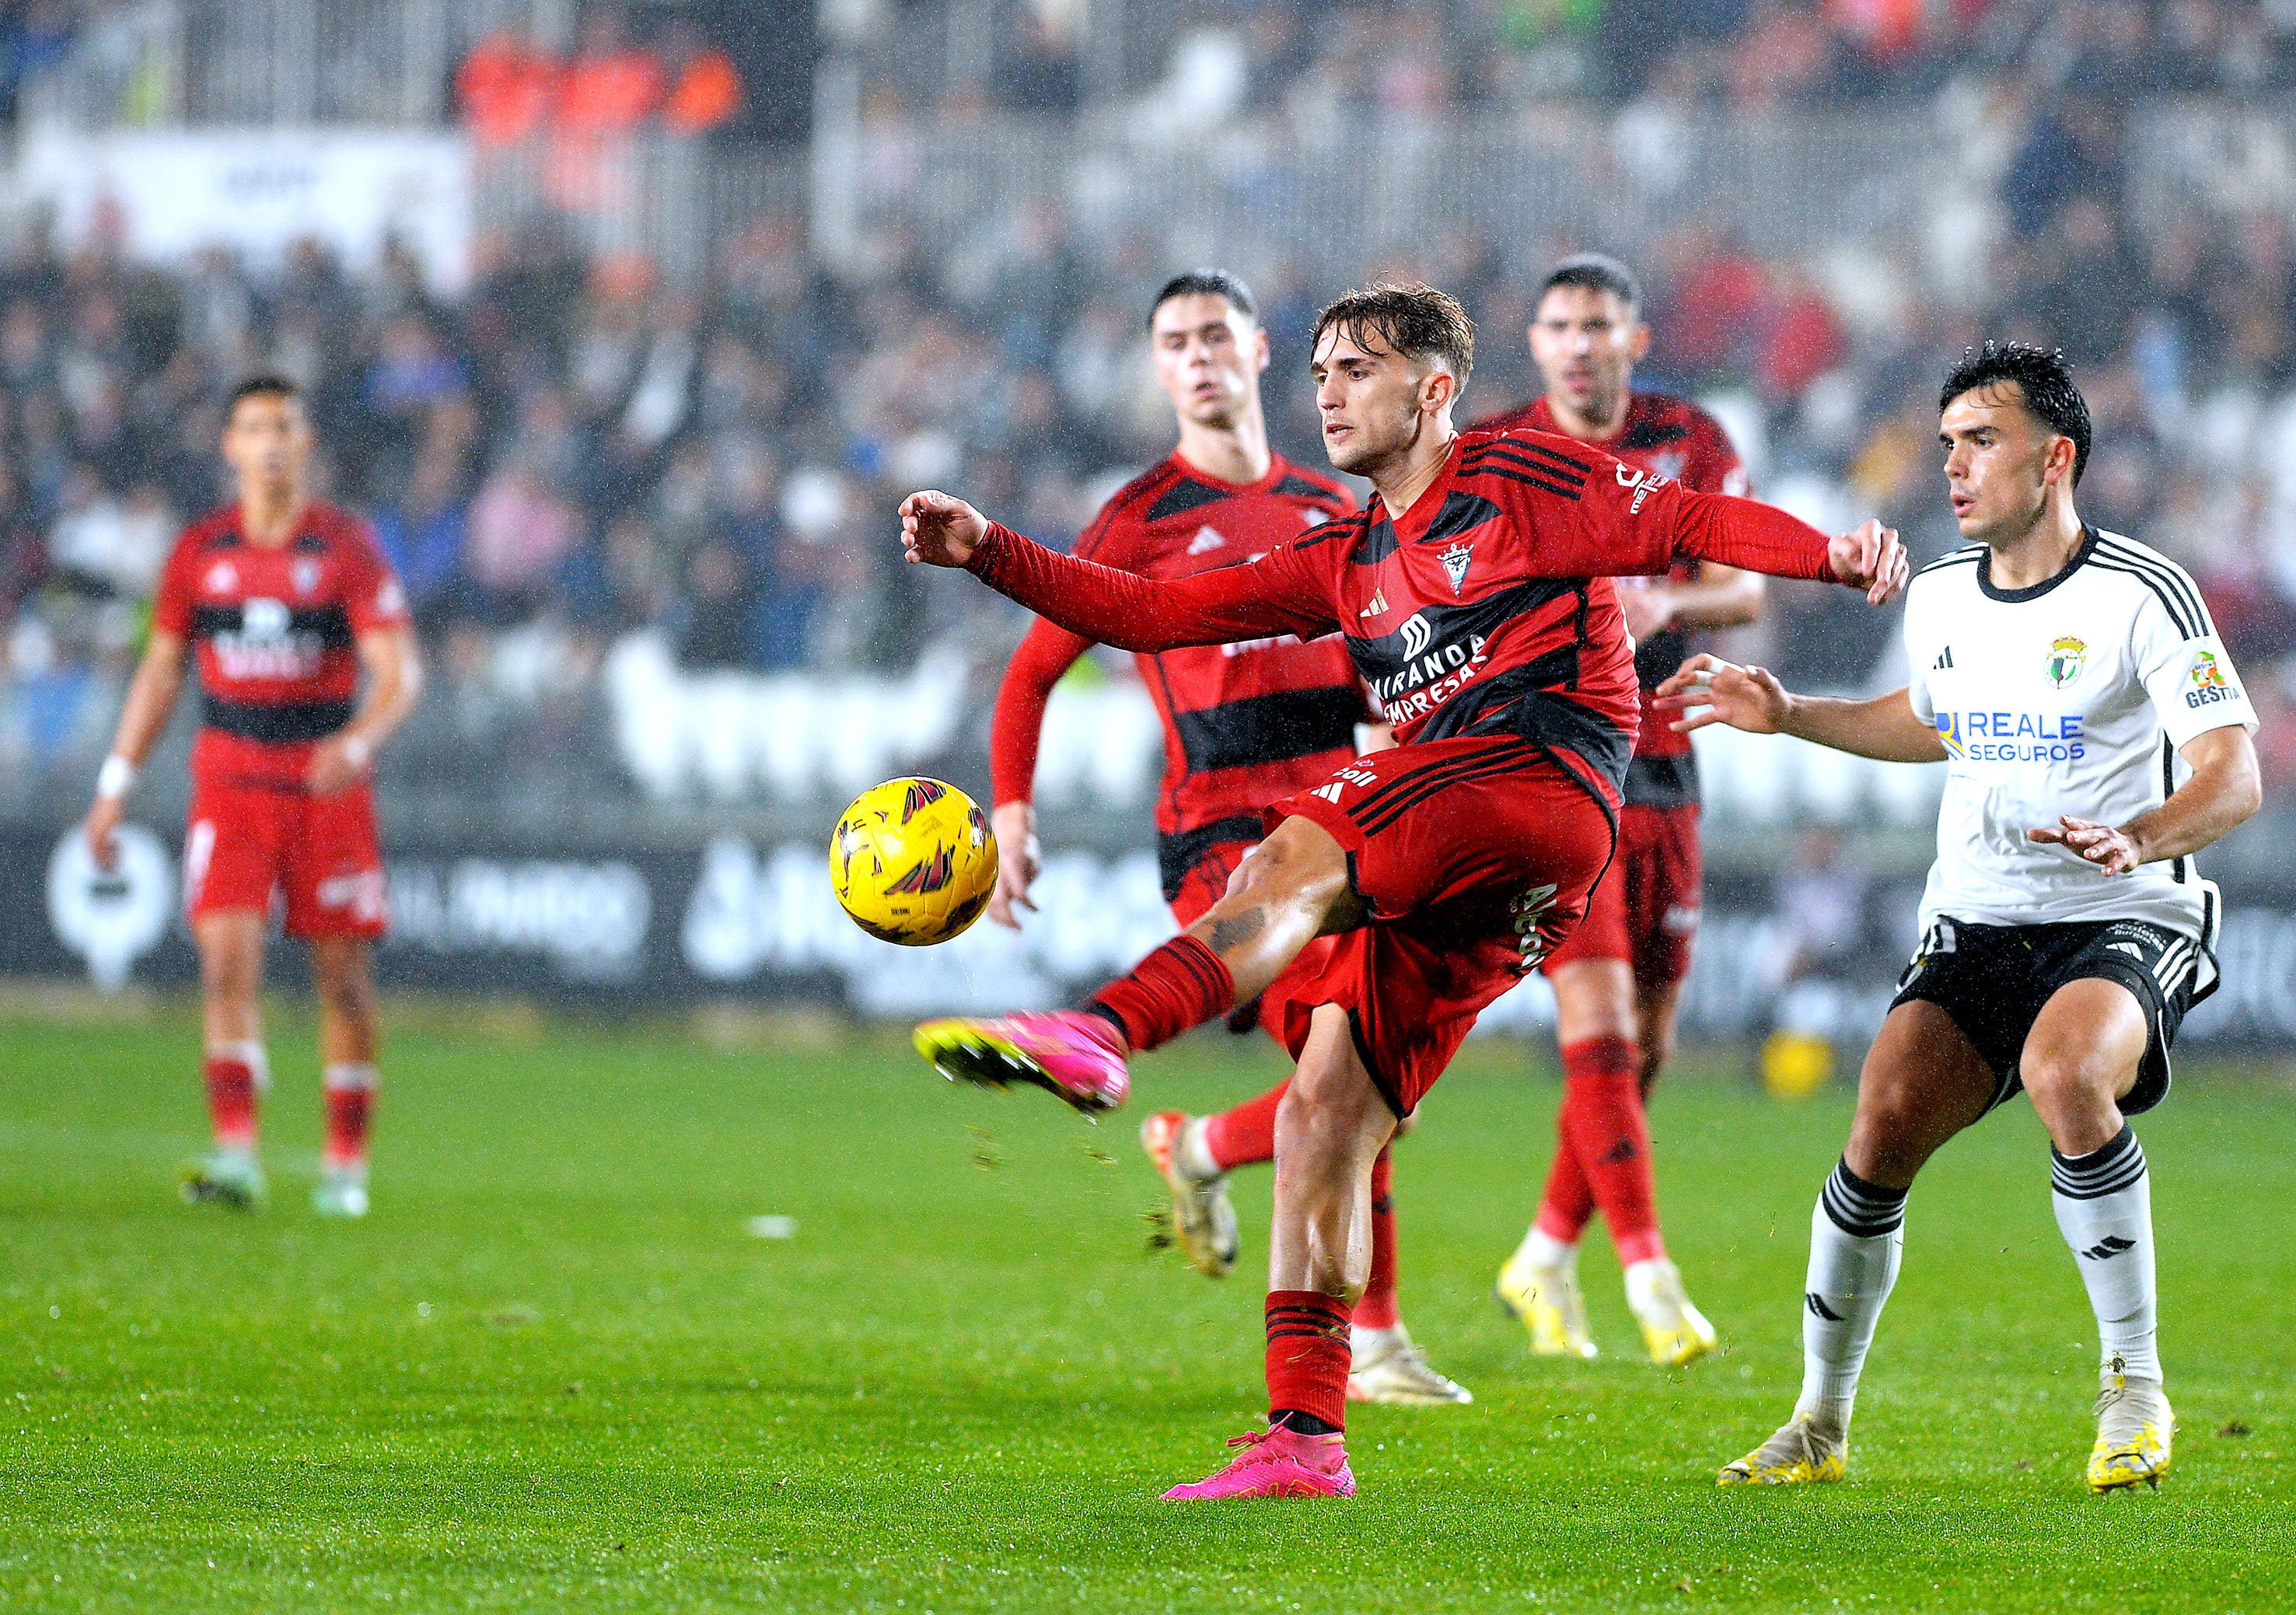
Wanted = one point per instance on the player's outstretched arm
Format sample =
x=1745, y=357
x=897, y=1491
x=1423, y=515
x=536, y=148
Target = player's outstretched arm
x=151, y=698
x=1276, y=593
x=1758, y=537
x=2224, y=790
x=1707, y=690
x=394, y=684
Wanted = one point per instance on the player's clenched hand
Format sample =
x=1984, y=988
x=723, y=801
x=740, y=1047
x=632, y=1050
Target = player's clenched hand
x=2112, y=851
x=940, y=530
x=337, y=763
x=102, y=820
x=1018, y=862
x=1870, y=558
x=1648, y=607
x=1707, y=690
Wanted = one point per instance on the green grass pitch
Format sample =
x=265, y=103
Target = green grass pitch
x=556, y=1371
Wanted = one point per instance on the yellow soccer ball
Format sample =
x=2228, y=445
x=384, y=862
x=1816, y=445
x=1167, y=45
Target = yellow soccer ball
x=914, y=861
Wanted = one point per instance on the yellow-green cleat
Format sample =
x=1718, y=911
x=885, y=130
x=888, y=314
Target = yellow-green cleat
x=1806, y=1450
x=225, y=1177
x=2135, y=1432
x=1546, y=1299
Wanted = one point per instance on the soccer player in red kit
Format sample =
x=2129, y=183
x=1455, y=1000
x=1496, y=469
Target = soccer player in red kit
x=1244, y=725
x=1475, y=595
x=283, y=600
x=1617, y=978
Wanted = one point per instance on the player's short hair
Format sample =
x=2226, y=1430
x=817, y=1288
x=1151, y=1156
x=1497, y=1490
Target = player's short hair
x=2044, y=375
x=1207, y=283
x=1596, y=273
x=1414, y=320
x=269, y=385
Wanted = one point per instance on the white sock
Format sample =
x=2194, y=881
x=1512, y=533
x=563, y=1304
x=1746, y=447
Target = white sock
x=1190, y=1153
x=2104, y=1205
x=1369, y=1342
x=1643, y=1280
x=1540, y=1248
x=350, y=1078
x=1857, y=1235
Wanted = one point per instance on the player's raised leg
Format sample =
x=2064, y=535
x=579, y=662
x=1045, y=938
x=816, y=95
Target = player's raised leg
x=1330, y=1129
x=344, y=976
x=231, y=978
x=1292, y=887
x=2083, y=1055
x=1921, y=1084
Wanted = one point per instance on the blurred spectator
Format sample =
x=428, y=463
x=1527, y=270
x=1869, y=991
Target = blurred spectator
x=1041, y=68
x=519, y=532
x=506, y=87
x=705, y=91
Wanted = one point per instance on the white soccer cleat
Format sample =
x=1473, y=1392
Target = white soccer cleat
x=1676, y=1332
x=2135, y=1432
x=1390, y=1367
x=1203, y=1222
x=1804, y=1450
x=342, y=1192
x=1545, y=1297
x=226, y=1176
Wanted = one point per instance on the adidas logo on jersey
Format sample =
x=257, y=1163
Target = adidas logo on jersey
x=1378, y=606
x=1944, y=660
x=1206, y=538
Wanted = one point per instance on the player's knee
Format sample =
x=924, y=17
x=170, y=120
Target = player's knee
x=2064, y=1082
x=227, y=974
x=1890, y=1131
x=345, y=985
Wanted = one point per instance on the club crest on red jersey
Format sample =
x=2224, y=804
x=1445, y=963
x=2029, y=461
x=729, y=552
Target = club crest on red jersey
x=304, y=573
x=1454, y=562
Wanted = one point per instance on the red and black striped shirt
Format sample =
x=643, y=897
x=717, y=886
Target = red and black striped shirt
x=1668, y=437
x=1244, y=724
x=274, y=629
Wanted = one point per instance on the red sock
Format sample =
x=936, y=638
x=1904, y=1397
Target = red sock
x=1183, y=984
x=1308, y=1356
x=1568, y=1202
x=1245, y=1136
x=1376, y=1310
x=232, y=1093
x=350, y=1103
x=1604, y=1122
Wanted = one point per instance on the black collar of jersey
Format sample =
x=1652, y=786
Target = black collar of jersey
x=2020, y=597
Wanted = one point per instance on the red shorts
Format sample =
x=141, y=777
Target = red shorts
x=1204, y=884
x=247, y=842
x=1475, y=857
x=1645, y=911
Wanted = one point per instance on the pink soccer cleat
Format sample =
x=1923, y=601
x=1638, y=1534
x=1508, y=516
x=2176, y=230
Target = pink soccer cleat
x=1278, y=1464
x=1074, y=1054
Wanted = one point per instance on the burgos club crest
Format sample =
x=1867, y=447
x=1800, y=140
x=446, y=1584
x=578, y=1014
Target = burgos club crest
x=2067, y=657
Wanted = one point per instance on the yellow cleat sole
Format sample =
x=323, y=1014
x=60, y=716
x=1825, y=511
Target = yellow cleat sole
x=1742, y=1474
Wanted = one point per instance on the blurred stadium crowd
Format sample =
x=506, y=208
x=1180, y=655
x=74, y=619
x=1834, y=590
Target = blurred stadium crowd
x=578, y=448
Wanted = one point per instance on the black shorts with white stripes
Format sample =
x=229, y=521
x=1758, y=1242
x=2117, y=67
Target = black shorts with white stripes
x=1993, y=981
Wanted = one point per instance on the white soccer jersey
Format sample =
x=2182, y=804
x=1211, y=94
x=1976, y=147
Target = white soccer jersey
x=2069, y=697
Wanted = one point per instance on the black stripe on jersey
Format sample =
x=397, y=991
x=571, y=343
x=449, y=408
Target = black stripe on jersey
x=1376, y=545
x=1315, y=535
x=2168, y=790
x=1964, y=556
x=1530, y=456
x=310, y=543
x=285, y=724
x=1509, y=757
x=1461, y=513
x=1292, y=485
x=1269, y=728
x=1563, y=464
x=330, y=623
x=1502, y=453
x=2169, y=576
x=1185, y=494
x=1182, y=850
x=1096, y=531
x=2178, y=613
x=1653, y=434
x=1562, y=489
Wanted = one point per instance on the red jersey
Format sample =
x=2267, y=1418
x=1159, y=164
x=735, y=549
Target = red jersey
x=1244, y=724
x=1673, y=437
x=1485, y=609
x=274, y=631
